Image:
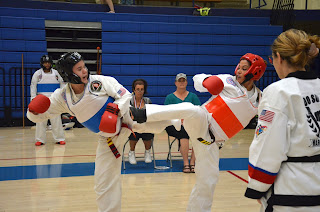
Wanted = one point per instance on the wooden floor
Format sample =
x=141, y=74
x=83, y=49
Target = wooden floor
x=149, y=192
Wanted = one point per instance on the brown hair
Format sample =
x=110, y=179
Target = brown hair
x=140, y=82
x=293, y=46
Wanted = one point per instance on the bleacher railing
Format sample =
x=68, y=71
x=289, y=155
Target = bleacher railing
x=283, y=13
x=12, y=93
x=260, y=3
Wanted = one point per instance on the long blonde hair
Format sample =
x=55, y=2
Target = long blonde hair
x=293, y=46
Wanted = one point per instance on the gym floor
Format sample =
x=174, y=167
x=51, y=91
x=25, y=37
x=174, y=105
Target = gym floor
x=59, y=178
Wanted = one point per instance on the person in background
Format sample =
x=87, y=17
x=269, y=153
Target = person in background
x=284, y=156
x=139, y=89
x=45, y=81
x=109, y=3
x=182, y=95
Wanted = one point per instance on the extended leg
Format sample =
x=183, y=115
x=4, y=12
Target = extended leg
x=207, y=165
x=184, y=110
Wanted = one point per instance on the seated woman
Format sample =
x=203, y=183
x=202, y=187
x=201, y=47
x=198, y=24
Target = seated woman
x=139, y=89
x=182, y=95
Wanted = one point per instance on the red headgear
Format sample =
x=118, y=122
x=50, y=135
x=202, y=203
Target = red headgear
x=257, y=68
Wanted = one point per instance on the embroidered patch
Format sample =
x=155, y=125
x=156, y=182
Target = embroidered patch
x=64, y=96
x=260, y=129
x=266, y=115
x=96, y=86
x=40, y=77
x=230, y=81
x=121, y=91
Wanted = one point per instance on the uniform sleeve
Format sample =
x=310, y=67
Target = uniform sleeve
x=121, y=95
x=269, y=147
x=33, y=84
x=198, y=80
x=57, y=106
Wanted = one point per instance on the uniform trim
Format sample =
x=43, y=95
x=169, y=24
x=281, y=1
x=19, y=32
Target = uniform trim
x=253, y=194
x=48, y=87
x=261, y=175
x=94, y=122
x=303, y=75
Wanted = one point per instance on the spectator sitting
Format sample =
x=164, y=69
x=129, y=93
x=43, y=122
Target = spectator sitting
x=182, y=95
x=139, y=89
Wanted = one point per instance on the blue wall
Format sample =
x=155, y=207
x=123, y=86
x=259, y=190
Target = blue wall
x=149, y=46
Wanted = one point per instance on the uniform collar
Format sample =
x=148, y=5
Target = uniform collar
x=302, y=75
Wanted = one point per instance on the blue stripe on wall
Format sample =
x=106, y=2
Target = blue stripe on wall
x=87, y=169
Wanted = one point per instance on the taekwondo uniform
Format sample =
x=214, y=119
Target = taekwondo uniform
x=88, y=107
x=46, y=83
x=224, y=114
x=284, y=157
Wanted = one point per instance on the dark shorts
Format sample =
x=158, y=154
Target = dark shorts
x=143, y=136
x=177, y=134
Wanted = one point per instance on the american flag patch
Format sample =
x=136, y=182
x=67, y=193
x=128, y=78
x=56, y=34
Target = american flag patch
x=121, y=91
x=266, y=115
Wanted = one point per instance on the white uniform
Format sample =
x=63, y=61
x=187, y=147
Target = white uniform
x=88, y=108
x=46, y=84
x=284, y=157
x=225, y=114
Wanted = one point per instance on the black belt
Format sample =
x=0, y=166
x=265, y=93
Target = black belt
x=292, y=201
x=314, y=158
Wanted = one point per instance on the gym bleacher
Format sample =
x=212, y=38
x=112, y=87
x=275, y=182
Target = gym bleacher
x=151, y=46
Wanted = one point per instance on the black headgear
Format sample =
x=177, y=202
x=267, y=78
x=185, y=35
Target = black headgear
x=46, y=58
x=65, y=64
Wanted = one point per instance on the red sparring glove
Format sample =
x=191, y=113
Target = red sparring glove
x=109, y=119
x=213, y=84
x=39, y=104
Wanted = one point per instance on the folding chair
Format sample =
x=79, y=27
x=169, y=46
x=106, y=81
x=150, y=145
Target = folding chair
x=123, y=158
x=170, y=144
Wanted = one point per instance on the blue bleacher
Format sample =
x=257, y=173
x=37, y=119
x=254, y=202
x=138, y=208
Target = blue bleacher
x=158, y=51
x=153, y=47
x=64, y=15
x=24, y=39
